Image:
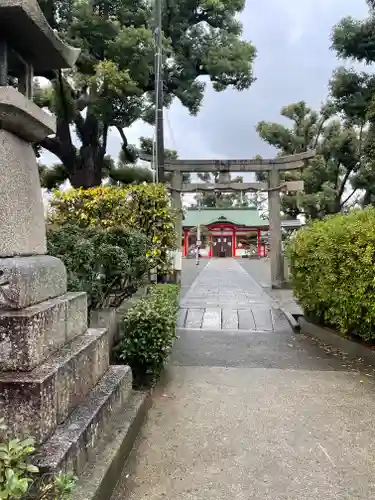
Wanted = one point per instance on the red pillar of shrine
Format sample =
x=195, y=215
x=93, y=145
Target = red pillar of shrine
x=186, y=237
x=258, y=242
x=234, y=242
x=210, y=243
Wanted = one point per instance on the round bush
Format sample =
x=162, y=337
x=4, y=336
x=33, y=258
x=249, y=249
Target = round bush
x=149, y=332
x=332, y=266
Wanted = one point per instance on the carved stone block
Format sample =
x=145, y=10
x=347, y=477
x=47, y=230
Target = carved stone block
x=25, y=281
x=24, y=118
x=29, y=336
x=76, y=441
x=34, y=403
x=22, y=226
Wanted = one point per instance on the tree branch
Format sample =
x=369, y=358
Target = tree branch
x=83, y=99
x=342, y=186
x=79, y=122
x=53, y=145
x=123, y=137
x=104, y=142
x=318, y=132
x=348, y=198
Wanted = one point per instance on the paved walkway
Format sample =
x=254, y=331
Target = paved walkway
x=226, y=297
x=253, y=414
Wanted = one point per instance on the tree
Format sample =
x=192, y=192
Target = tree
x=328, y=176
x=125, y=173
x=217, y=199
x=354, y=91
x=112, y=85
x=115, y=173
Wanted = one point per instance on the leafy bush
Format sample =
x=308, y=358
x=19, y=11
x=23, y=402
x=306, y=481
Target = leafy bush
x=144, y=208
x=149, y=333
x=19, y=478
x=333, y=274
x=109, y=264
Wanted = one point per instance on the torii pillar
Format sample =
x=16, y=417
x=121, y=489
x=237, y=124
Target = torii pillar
x=276, y=254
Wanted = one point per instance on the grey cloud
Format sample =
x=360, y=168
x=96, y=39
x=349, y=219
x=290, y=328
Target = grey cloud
x=294, y=63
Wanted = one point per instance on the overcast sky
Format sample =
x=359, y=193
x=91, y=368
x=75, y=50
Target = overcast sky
x=294, y=63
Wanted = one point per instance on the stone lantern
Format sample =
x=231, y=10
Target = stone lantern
x=28, y=47
x=56, y=384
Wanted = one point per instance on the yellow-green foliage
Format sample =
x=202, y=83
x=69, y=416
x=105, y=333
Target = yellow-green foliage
x=144, y=208
x=333, y=271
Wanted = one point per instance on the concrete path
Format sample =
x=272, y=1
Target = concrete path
x=253, y=414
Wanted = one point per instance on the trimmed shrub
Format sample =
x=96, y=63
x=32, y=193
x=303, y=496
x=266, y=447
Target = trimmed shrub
x=144, y=208
x=108, y=264
x=148, y=333
x=332, y=266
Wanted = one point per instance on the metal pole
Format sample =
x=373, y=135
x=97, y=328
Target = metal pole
x=177, y=205
x=198, y=246
x=159, y=92
x=274, y=205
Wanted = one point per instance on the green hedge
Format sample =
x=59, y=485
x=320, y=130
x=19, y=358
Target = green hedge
x=333, y=272
x=148, y=331
x=108, y=264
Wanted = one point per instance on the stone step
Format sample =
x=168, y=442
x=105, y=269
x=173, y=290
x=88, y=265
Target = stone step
x=29, y=336
x=75, y=442
x=99, y=478
x=34, y=403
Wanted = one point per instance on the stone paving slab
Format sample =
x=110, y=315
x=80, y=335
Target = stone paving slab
x=212, y=318
x=224, y=296
x=194, y=318
x=246, y=320
x=182, y=318
x=229, y=319
x=263, y=318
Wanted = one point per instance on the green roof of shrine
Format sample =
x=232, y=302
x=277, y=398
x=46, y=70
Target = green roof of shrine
x=238, y=216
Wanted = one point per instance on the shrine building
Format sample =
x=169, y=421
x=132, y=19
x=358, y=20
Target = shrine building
x=229, y=232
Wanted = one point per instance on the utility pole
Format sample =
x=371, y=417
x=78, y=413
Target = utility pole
x=159, y=92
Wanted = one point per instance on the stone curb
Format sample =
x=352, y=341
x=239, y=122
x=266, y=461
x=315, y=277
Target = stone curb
x=345, y=345
x=100, y=478
x=292, y=320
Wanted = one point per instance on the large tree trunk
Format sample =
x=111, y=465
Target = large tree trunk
x=87, y=169
x=84, y=166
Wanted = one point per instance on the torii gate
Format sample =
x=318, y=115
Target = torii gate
x=273, y=187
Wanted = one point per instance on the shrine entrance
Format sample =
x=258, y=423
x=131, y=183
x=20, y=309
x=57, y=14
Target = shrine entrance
x=272, y=168
x=222, y=246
